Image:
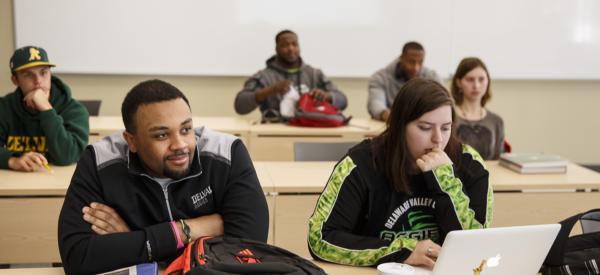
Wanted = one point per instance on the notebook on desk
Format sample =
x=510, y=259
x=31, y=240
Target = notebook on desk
x=533, y=163
x=140, y=269
x=517, y=250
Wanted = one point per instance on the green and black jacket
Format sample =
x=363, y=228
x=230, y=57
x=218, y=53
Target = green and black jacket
x=60, y=133
x=361, y=220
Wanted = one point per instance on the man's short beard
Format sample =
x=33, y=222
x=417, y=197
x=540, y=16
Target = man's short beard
x=288, y=63
x=176, y=174
x=172, y=174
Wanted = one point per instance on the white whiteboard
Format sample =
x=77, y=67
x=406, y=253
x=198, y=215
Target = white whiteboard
x=552, y=39
x=530, y=39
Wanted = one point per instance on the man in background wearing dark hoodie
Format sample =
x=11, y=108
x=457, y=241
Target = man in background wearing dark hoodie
x=40, y=122
x=385, y=83
x=267, y=87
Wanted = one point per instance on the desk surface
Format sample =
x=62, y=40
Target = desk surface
x=577, y=177
x=357, y=126
x=310, y=177
x=294, y=176
x=44, y=183
x=303, y=177
x=40, y=183
x=234, y=125
x=368, y=127
x=332, y=269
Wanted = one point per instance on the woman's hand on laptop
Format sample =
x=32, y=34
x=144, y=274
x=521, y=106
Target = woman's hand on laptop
x=425, y=254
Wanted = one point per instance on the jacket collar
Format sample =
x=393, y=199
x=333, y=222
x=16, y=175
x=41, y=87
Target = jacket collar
x=276, y=65
x=399, y=73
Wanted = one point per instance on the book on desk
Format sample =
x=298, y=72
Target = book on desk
x=534, y=163
x=140, y=269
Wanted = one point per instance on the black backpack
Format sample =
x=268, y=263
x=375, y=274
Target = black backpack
x=228, y=255
x=577, y=254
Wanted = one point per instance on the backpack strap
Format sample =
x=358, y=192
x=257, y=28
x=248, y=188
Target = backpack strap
x=556, y=255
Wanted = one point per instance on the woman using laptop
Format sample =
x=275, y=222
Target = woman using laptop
x=394, y=198
x=476, y=125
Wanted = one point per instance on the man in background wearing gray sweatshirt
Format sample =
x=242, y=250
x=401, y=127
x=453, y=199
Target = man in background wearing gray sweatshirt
x=385, y=83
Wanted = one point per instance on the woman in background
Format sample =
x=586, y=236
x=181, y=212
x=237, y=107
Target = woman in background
x=395, y=197
x=476, y=125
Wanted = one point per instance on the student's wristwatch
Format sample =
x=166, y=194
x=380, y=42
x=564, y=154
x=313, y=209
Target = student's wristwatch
x=186, y=230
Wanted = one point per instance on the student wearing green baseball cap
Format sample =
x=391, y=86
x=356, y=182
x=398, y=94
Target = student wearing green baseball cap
x=40, y=122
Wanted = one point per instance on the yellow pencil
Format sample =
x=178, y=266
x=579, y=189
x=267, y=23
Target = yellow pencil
x=48, y=168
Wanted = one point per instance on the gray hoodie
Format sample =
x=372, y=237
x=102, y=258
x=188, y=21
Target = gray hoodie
x=385, y=84
x=305, y=79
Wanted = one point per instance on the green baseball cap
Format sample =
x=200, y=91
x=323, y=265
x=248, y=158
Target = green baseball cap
x=28, y=56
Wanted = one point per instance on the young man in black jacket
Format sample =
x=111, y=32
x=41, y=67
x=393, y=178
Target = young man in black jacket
x=140, y=196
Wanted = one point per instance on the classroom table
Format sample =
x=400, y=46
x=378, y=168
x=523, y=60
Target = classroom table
x=29, y=208
x=275, y=141
x=30, y=204
x=101, y=126
x=268, y=142
x=518, y=199
x=332, y=269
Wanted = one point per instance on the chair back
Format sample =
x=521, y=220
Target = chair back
x=321, y=151
x=93, y=106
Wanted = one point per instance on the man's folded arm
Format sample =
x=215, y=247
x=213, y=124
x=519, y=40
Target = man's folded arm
x=83, y=251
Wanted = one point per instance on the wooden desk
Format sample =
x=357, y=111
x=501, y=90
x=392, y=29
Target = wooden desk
x=264, y=141
x=29, y=208
x=38, y=271
x=275, y=142
x=518, y=199
x=577, y=177
x=30, y=204
x=101, y=126
x=544, y=198
x=331, y=269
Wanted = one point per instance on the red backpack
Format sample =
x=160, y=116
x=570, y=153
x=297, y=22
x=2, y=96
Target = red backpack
x=228, y=255
x=313, y=113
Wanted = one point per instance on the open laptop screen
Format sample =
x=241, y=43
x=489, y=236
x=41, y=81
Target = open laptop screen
x=506, y=250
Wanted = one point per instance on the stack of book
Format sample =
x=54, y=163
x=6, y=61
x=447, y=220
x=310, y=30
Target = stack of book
x=534, y=163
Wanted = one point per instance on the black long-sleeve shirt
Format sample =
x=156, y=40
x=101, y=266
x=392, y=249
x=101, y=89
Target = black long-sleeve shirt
x=222, y=180
x=361, y=220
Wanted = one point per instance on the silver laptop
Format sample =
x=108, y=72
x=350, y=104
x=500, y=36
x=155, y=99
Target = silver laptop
x=517, y=250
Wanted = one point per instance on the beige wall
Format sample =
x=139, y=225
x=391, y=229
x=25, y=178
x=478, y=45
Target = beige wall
x=554, y=116
x=6, y=44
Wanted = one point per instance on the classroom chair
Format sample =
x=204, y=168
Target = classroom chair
x=93, y=106
x=321, y=151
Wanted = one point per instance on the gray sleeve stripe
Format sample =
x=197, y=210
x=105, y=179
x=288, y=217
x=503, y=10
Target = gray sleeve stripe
x=110, y=149
x=214, y=143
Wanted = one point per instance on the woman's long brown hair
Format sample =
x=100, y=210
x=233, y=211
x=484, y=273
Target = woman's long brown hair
x=417, y=97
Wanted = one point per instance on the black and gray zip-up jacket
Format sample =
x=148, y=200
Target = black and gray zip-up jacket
x=305, y=79
x=222, y=180
x=361, y=220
